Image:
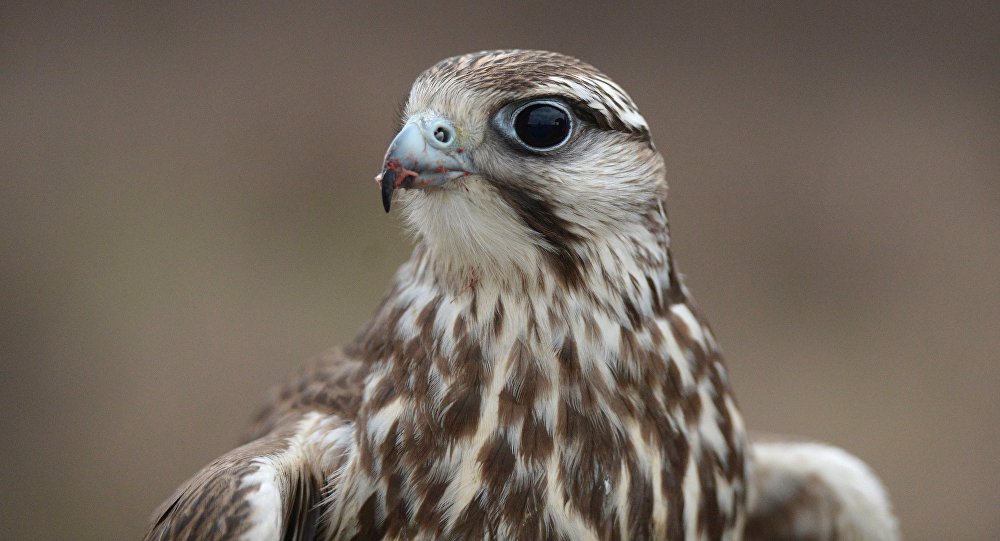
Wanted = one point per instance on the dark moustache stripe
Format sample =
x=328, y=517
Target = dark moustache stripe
x=539, y=216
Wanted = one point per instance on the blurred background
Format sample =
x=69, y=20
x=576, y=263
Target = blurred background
x=187, y=211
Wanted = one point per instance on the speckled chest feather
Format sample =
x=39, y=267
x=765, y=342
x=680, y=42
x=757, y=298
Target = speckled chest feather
x=537, y=412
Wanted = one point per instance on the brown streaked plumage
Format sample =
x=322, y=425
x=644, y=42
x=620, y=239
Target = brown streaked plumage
x=537, y=369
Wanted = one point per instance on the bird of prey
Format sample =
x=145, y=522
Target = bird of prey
x=537, y=369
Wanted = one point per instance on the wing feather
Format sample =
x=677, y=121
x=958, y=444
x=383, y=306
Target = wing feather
x=272, y=487
x=806, y=490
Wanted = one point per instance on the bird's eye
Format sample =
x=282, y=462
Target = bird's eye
x=542, y=125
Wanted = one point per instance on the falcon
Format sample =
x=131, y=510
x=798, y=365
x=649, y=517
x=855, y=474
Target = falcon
x=537, y=369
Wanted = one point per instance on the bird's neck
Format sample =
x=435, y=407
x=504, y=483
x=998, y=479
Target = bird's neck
x=618, y=291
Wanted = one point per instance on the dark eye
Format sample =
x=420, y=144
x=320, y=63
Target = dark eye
x=542, y=126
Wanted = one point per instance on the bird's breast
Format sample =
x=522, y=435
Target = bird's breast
x=537, y=442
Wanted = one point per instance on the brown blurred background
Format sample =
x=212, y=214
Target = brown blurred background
x=187, y=211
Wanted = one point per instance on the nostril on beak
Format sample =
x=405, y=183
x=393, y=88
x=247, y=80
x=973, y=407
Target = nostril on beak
x=442, y=133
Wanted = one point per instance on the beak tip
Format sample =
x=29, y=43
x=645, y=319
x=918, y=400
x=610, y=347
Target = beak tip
x=387, y=181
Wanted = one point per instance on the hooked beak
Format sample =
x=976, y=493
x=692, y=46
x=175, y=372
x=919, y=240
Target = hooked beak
x=425, y=153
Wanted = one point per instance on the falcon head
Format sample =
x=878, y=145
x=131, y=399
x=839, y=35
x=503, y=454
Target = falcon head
x=514, y=158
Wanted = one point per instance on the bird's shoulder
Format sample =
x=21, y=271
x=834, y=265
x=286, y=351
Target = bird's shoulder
x=332, y=382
